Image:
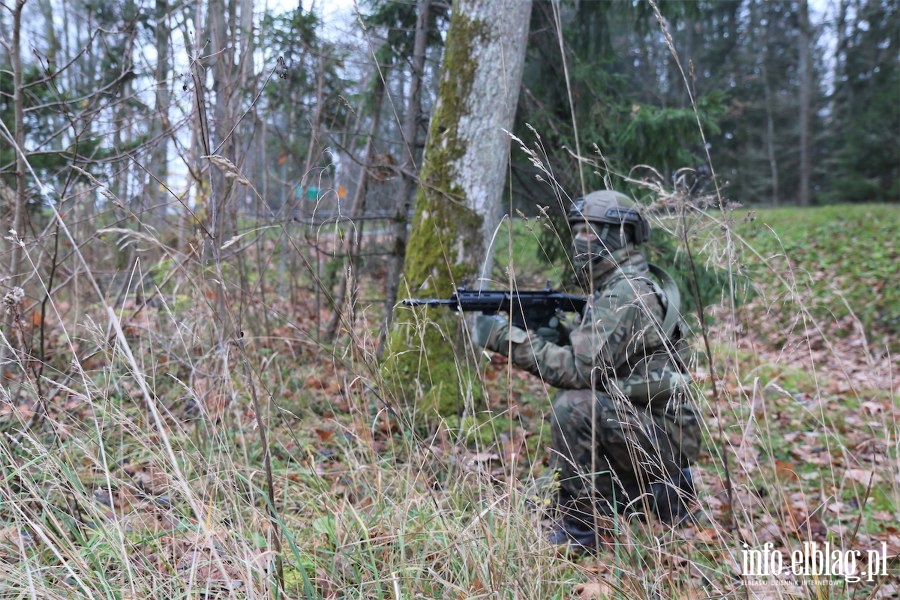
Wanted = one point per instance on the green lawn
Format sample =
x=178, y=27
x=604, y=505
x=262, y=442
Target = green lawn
x=841, y=260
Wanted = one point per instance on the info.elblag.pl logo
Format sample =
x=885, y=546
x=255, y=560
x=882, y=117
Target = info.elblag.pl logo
x=815, y=560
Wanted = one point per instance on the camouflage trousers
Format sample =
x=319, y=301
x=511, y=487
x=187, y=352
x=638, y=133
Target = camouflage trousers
x=608, y=451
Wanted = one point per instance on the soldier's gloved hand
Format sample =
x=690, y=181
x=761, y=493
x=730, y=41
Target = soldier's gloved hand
x=495, y=333
x=553, y=332
x=489, y=330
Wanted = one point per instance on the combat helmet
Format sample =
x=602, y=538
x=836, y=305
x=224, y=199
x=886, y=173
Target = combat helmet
x=611, y=208
x=606, y=225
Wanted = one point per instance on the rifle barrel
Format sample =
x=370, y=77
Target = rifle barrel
x=428, y=302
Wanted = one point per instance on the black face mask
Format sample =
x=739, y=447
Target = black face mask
x=591, y=255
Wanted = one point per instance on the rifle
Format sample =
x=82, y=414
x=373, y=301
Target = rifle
x=527, y=309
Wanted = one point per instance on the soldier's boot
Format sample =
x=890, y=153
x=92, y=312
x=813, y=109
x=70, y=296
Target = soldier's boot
x=581, y=528
x=672, y=499
x=576, y=535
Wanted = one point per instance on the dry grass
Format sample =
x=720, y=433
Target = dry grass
x=133, y=464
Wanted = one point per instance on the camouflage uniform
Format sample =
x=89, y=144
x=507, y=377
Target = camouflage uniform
x=624, y=429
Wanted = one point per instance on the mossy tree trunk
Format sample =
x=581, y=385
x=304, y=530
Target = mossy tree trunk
x=458, y=203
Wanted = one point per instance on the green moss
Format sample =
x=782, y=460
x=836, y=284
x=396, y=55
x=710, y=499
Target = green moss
x=444, y=244
x=424, y=368
x=487, y=429
x=442, y=221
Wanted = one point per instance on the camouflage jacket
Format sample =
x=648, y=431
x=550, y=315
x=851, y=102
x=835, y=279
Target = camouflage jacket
x=618, y=346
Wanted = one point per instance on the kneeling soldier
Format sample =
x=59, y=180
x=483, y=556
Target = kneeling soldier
x=624, y=427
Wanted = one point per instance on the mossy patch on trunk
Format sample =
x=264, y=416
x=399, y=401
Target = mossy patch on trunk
x=424, y=362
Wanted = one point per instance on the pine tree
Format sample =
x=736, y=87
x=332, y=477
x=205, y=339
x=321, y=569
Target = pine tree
x=865, y=119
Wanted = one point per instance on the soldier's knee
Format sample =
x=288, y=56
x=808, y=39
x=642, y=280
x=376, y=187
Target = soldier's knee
x=570, y=408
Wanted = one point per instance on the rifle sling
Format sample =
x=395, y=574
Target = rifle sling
x=673, y=297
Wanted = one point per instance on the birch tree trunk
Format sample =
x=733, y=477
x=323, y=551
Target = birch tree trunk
x=222, y=79
x=161, y=125
x=457, y=206
x=18, y=100
x=21, y=198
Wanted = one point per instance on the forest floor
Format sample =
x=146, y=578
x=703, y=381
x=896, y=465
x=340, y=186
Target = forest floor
x=144, y=474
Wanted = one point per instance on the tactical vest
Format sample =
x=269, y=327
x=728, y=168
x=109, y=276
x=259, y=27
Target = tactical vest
x=638, y=378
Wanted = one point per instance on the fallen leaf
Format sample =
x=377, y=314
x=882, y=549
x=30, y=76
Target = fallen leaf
x=872, y=407
x=862, y=476
x=594, y=590
x=785, y=469
x=314, y=382
x=324, y=434
x=484, y=457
